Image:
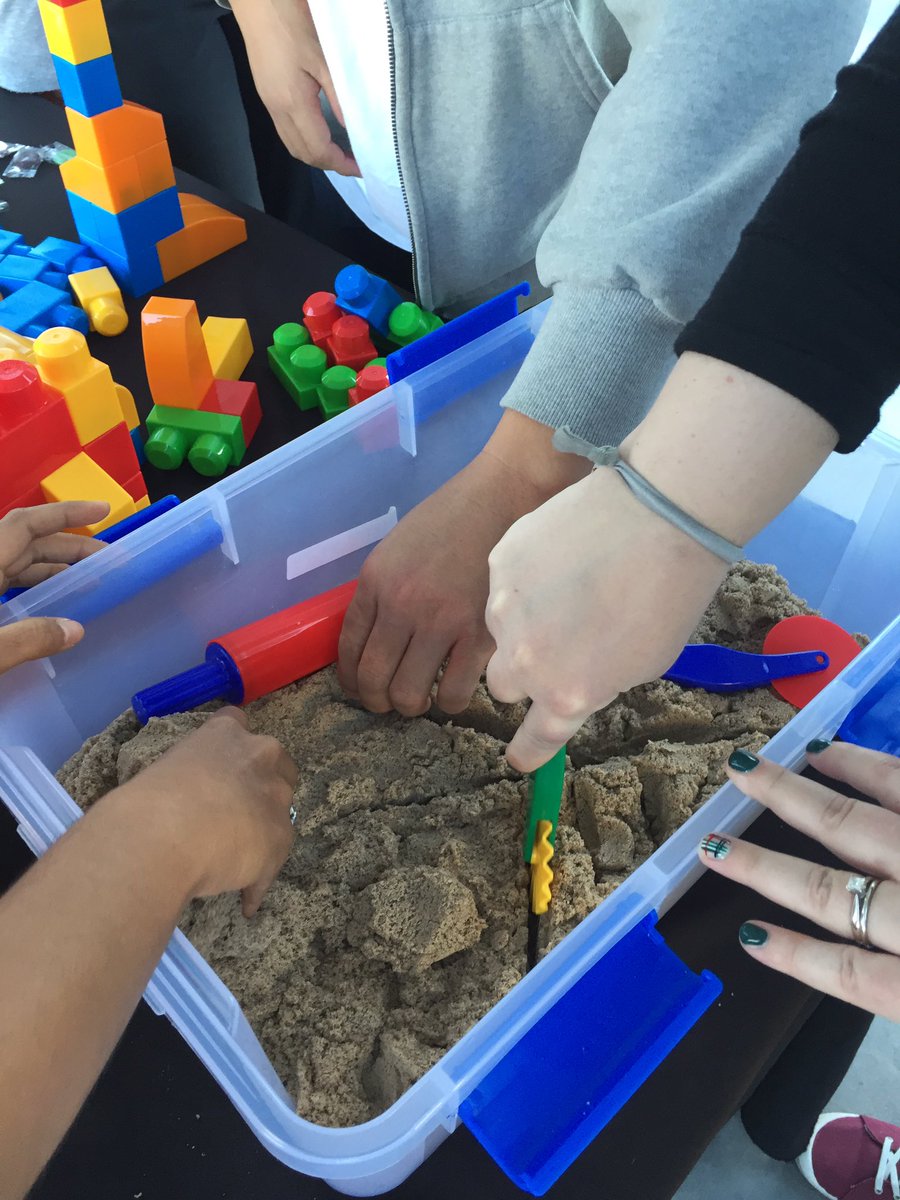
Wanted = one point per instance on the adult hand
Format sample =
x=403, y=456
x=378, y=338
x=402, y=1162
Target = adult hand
x=33, y=547
x=221, y=799
x=861, y=834
x=590, y=594
x=422, y=592
x=290, y=71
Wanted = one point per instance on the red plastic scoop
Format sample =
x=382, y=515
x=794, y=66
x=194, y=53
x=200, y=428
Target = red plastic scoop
x=809, y=633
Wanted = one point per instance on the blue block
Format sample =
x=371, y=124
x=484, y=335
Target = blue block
x=36, y=307
x=57, y=250
x=12, y=243
x=132, y=230
x=367, y=296
x=136, y=276
x=16, y=270
x=90, y=87
x=138, y=442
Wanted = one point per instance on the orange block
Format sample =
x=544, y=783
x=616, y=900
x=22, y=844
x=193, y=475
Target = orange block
x=119, y=133
x=116, y=186
x=175, y=355
x=208, y=232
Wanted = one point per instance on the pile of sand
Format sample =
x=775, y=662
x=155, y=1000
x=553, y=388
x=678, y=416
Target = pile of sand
x=400, y=916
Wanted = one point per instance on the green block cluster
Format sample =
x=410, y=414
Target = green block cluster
x=211, y=442
x=303, y=371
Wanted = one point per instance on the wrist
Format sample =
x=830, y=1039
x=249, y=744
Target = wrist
x=525, y=448
x=151, y=832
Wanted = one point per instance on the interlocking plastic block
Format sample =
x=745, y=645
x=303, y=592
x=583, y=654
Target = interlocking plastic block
x=236, y=398
x=350, y=344
x=98, y=294
x=117, y=186
x=320, y=311
x=12, y=243
x=303, y=374
x=175, y=354
x=408, y=323
x=366, y=295
x=68, y=257
x=119, y=133
x=13, y=345
x=37, y=434
x=137, y=275
x=334, y=390
x=229, y=346
x=36, y=307
x=114, y=452
x=18, y=269
x=133, y=229
x=207, y=232
x=136, y=487
x=30, y=499
x=81, y=479
x=372, y=379
x=211, y=441
x=64, y=361
x=128, y=407
x=137, y=441
x=285, y=340
x=77, y=32
x=90, y=88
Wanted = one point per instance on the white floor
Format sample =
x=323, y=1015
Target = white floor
x=733, y=1167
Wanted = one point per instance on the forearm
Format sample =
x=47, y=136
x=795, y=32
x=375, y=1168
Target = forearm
x=80, y=935
x=728, y=447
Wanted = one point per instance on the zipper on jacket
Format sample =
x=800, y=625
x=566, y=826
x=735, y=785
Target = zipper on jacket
x=393, y=70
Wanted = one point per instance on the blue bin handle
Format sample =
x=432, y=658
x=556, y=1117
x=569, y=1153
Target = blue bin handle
x=550, y=1096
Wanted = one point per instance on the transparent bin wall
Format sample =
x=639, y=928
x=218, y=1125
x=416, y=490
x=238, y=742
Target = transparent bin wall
x=301, y=520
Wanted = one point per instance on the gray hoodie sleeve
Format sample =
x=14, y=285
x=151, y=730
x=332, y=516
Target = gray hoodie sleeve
x=679, y=157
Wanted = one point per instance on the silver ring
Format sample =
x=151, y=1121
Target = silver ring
x=862, y=888
x=293, y=814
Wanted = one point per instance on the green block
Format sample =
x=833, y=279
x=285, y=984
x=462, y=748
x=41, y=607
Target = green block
x=297, y=364
x=333, y=390
x=212, y=442
x=408, y=323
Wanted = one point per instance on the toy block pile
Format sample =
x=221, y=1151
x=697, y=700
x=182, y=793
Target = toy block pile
x=35, y=283
x=333, y=361
x=67, y=430
x=120, y=184
x=202, y=411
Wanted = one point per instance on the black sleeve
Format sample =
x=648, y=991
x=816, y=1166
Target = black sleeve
x=811, y=300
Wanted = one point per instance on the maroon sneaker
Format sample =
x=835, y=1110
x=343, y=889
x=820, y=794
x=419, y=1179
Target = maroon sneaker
x=850, y=1157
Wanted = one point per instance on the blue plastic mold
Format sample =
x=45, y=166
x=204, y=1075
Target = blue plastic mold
x=570, y=1074
x=875, y=721
x=721, y=669
x=455, y=334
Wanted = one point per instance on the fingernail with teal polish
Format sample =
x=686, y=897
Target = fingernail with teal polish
x=743, y=760
x=817, y=745
x=715, y=846
x=753, y=935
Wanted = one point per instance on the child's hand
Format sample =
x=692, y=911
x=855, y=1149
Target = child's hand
x=33, y=547
x=289, y=70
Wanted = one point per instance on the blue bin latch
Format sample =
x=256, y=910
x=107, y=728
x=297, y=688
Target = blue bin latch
x=875, y=721
x=593, y=1049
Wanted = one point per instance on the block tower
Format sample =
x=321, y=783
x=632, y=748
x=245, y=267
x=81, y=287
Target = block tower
x=121, y=185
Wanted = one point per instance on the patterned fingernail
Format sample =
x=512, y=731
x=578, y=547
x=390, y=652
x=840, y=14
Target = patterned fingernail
x=715, y=846
x=743, y=760
x=817, y=745
x=753, y=935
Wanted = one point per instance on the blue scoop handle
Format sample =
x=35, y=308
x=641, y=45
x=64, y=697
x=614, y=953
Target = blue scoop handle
x=719, y=669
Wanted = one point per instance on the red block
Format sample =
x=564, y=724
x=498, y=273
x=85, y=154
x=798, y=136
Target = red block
x=65, y=3
x=30, y=500
x=369, y=382
x=135, y=487
x=114, y=451
x=37, y=436
x=235, y=398
x=320, y=311
x=350, y=344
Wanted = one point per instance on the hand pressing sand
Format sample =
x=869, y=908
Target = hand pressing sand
x=399, y=918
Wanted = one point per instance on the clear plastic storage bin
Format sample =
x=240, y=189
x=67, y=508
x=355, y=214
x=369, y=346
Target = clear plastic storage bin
x=302, y=520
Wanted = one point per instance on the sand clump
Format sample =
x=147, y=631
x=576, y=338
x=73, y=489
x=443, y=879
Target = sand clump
x=399, y=918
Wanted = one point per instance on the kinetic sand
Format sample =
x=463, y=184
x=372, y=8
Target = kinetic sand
x=399, y=918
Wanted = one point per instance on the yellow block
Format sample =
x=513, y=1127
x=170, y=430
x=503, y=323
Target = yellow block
x=76, y=32
x=13, y=345
x=144, y=502
x=82, y=479
x=129, y=409
x=64, y=362
x=98, y=294
x=229, y=346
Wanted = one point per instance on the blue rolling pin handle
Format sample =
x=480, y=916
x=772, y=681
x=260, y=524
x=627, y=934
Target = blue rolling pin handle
x=215, y=679
x=720, y=669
